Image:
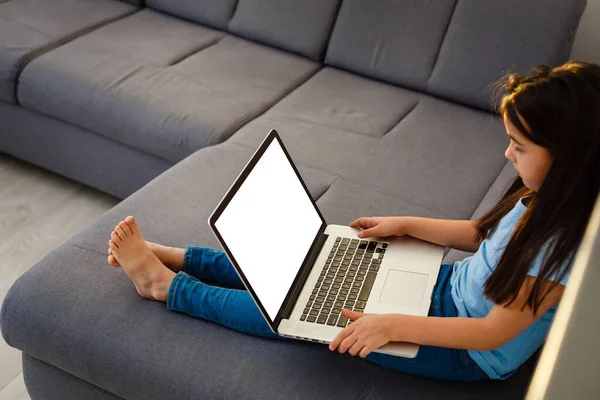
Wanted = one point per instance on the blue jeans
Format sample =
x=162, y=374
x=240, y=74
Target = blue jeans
x=227, y=303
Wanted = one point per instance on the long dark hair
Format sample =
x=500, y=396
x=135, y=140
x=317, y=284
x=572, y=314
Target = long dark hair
x=561, y=112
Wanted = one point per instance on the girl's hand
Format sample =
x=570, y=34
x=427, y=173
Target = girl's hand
x=380, y=226
x=366, y=333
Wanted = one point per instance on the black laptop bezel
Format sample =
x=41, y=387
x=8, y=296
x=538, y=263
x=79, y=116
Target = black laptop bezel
x=306, y=265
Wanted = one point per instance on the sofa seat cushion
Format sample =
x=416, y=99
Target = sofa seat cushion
x=28, y=28
x=428, y=152
x=160, y=84
x=76, y=313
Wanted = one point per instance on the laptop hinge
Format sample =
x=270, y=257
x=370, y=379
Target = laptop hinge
x=306, y=269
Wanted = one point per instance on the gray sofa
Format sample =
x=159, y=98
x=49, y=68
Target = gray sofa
x=384, y=105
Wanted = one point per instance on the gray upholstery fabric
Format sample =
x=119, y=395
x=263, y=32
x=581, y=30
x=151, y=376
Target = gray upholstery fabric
x=206, y=360
x=396, y=41
x=497, y=190
x=194, y=187
x=169, y=89
x=451, y=49
x=30, y=27
x=299, y=26
x=213, y=13
x=43, y=381
x=360, y=200
x=494, y=194
x=435, y=154
x=395, y=386
x=345, y=102
x=487, y=39
x=81, y=155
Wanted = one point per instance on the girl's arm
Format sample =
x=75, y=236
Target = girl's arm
x=448, y=233
x=501, y=325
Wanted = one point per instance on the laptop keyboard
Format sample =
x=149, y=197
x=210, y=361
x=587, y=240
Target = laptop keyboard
x=345, y=281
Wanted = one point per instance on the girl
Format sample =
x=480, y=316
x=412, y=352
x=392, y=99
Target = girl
x=490, y=312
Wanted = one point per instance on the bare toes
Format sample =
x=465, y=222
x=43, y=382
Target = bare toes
x=121, y=232
x=115, y=237
x=113, y=261
x=132, y=223
x=125, y=226
x=112, y=245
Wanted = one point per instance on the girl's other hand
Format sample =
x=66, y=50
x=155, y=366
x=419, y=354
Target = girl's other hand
x=380, y=226
x=366, y=333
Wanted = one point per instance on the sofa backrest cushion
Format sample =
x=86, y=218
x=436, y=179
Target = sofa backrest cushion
x=213, y=13
x=299, y=26
x=396, y=41
x=455, y=49
x=487, y=39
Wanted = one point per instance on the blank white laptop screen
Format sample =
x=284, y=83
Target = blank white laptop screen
x=269, y=226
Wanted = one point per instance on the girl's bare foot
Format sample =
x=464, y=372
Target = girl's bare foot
x=149, y=275
x=172, y=257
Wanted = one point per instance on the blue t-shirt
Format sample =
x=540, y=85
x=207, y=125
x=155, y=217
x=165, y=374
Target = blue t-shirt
x=468, y=278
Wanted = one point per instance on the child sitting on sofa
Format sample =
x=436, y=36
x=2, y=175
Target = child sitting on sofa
x=491, y=311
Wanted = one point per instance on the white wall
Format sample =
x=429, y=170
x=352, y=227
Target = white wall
x=587, y=40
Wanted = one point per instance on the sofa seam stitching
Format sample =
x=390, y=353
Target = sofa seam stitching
x=402, y=118
x=437, y=56
x=369, y=388
x=37, y=53
x=575, y=27
x=330, y=34
x=243, y=121
x=327, y=189
x=233, y=11
x=85, y=249
x=195, y=51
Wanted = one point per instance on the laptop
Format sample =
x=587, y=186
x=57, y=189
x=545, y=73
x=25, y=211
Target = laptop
x=301, y=271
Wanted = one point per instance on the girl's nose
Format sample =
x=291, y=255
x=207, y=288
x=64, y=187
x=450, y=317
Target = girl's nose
x=508, y=153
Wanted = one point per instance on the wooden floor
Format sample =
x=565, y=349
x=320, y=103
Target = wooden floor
x=38, y=212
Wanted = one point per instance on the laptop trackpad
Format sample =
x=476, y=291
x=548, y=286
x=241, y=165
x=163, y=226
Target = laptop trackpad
x=404, y=288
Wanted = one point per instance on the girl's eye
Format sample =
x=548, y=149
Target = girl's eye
x=516, y=148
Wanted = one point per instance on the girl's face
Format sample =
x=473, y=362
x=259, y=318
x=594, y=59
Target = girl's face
x=531, y=161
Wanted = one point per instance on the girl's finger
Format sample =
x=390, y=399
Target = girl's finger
x=365, y=351
x=368, y=232
x=347, y=343
x=336, y=341
x=339, y=338
x=357, y=223
x=353, y=315
x=356, y=348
